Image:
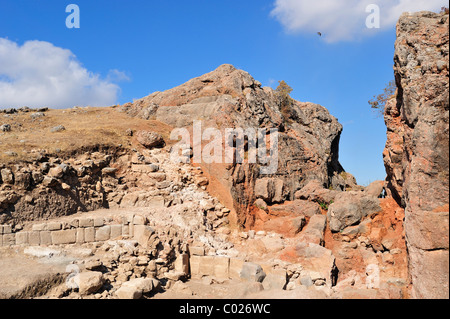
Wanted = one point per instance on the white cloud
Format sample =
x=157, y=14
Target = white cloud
x=38, y=74
x=344, y=20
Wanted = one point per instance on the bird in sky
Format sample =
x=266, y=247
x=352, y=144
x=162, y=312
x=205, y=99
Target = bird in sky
x=319, y=33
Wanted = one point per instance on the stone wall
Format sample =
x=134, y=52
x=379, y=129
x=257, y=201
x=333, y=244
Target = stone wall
x=75, y=231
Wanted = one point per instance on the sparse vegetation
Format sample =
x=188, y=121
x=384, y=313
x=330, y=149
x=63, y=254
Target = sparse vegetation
x=378, y=102
x=285, y=101
x=324, y=205
x=84, y=127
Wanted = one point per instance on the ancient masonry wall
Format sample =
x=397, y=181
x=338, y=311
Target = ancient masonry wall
x=76, y=231
x=86, y=230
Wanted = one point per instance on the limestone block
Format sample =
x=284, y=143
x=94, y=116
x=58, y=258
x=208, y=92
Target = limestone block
x=99, y=222
x=34, y=238
x=7, y=229
x=103, y=233
x=39, y=227
x=22, y=238
x=45, y=237
x=182, y=264
x=142, y=234
x=221, y=267
x=62, y=237
x=89, y=234
x=80, y=235
x=235, y=268
x=9, y=239
x=86, y=222
x=116, y=231
x=54, y=226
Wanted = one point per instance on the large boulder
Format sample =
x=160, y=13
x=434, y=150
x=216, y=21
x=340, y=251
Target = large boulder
x=314, y=231
x=269, y=189
x=89, y=282
x=135, y=288
x=150, y=139
x=297, y=207
x=308, y=136
x=350, y=208
x=316, y=261
x=417, y=148
x=315, y=191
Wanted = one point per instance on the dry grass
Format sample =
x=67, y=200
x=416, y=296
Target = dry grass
x=84, y=127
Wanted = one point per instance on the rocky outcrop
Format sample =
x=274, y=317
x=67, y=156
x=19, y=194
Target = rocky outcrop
x=417, y=150
x=308, y=141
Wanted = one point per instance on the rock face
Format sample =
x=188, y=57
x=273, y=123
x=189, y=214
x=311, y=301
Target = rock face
x=308, y=139
x=417, y=150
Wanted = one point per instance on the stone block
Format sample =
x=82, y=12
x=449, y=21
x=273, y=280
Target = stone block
x=134, y=288
x=206, y=267
x=142, y=234
x=127, y=292
x=210, y=266
x=89, y=234
x=9, y=239
x=54, y=226
x=74, y=223
x=7, y=229
x=278, y=193
x=182, y=264
x=45, y=237
x=63, y=237
x=276, y=279
x=34, y=238
x=235, y=268
x=125, y=230
x=116, y=231
x=89, y=282
x=194, y=265
x=99, y=222
x=103, y=233
x=139, y=220
x=264, y=188
x=22, y=238
x=197, y=251
x=86, y=222
x=39, y=227
x=80, y=235
x=131, y=230
x=221, y=267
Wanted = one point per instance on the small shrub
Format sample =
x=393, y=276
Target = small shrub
x=283, y=92
x=378, y=102
x=324, y=205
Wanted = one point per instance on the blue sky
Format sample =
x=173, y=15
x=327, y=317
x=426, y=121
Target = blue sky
x=125, y=50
